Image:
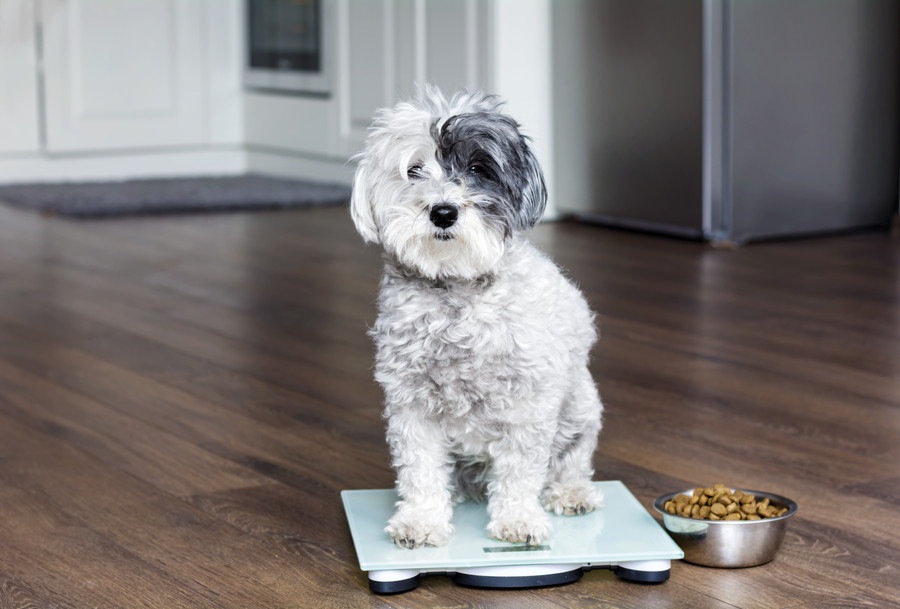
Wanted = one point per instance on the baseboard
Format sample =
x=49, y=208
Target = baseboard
x=275, y=161
x=123, y=164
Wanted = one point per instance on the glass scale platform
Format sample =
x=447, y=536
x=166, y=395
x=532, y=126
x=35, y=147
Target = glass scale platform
x=621, y=536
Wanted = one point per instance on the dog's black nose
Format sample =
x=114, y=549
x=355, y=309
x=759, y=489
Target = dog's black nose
x=444, y=215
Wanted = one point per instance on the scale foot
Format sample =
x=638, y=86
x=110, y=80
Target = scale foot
x=393, y=581
x=644, y=571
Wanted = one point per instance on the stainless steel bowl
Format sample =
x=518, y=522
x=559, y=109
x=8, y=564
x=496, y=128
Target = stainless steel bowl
x=728, y=543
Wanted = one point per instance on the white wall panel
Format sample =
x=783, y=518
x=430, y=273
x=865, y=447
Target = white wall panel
x=19, y=119
x=225, y=47
x=454, y=51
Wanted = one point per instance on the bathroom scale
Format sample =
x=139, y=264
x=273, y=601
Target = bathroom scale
x=621, y=536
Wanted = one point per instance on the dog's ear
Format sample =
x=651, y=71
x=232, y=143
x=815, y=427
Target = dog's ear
x=533, y=190
x=361, y=208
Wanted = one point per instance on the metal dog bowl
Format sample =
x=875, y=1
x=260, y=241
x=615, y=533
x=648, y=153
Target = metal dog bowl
x=728, y=543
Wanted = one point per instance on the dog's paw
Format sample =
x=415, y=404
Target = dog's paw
x=532, y=529
x=409, y=529
x=571, y=499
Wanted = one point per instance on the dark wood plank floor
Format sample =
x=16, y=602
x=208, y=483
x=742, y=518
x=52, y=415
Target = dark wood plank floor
x=183, y=398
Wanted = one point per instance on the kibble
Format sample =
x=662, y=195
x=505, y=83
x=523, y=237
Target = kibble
x=718, y=502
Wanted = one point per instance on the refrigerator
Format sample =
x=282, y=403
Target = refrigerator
x=728, y=120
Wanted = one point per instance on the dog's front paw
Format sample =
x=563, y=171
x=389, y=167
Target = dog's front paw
x=532, y=528
x=571, y=499
x=411, y=529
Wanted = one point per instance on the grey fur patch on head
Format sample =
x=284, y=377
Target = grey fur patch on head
x=487, y=151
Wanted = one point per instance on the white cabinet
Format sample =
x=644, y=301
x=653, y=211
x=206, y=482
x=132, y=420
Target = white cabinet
x=386, y=47
x=113, y=89
x=454, y=44
x=19, y=121
x=121, y=74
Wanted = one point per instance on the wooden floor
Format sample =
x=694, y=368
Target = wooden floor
x=183, y=398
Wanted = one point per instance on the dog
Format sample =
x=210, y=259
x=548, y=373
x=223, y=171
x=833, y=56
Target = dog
x=482, y=344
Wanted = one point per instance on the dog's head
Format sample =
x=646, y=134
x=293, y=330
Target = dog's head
x=443, y=184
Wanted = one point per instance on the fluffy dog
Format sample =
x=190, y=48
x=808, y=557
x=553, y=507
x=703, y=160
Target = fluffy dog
x=482, y=344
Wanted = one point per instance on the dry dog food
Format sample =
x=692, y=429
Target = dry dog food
x=718, y=502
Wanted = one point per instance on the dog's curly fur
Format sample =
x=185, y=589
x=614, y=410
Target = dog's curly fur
x=482, y=343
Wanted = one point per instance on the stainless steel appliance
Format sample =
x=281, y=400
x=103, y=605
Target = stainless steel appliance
x=289, y=45
x=731, y=120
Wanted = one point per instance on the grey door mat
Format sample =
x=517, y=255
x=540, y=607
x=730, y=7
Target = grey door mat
x=175, y=195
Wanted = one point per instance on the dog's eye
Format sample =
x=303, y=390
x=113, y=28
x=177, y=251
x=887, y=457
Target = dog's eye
x=477, y=170
x=414, y=171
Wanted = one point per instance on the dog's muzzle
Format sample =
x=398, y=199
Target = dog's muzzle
x=444, y=215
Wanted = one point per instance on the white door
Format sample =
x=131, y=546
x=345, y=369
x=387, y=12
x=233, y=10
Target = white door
x=19, y=130
x=123, y=73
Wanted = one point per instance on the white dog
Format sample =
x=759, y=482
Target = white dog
x=482, y=344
